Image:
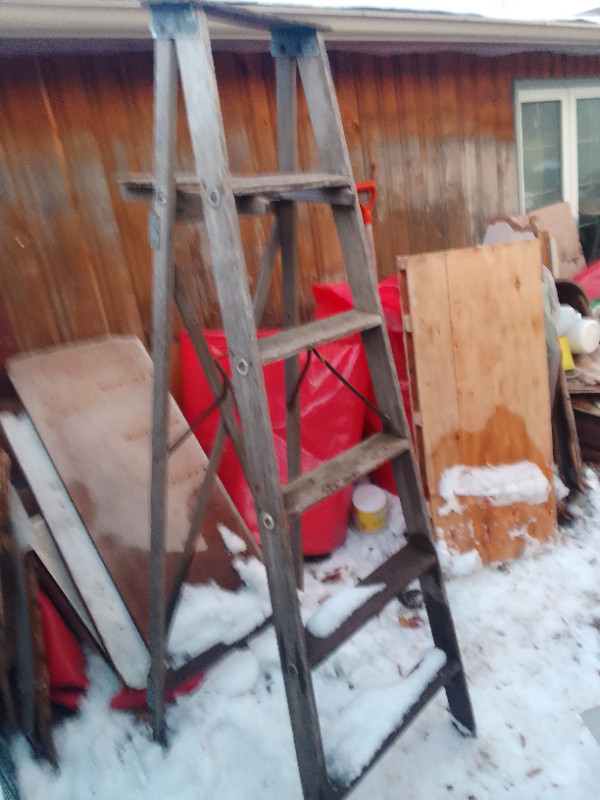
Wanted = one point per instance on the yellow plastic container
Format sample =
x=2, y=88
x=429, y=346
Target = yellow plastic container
x=369, y=509
x=566, y=357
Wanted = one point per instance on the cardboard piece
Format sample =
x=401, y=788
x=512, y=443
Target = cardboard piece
x=556, y=219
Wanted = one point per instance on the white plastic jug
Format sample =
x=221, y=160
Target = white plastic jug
x=567, y=317
x=584, y=336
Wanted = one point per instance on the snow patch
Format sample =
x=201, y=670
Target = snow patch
x=366, y=723
x=454, y=563
x=494, y=9
x=560, y=490
x=235, y=675
x=503, y=485
x=234, y=543
x=208, y=615
x=253, y=573
x=335, y=610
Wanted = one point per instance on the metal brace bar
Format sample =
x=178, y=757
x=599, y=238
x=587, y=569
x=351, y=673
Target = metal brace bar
x=293, y=43
x=170, y=20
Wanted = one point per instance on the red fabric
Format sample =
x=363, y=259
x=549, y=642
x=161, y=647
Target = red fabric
x=65, y=659
x=333, y=298
x=135, y=699
x=590, y=280
x=332, y=422
x=68, y=698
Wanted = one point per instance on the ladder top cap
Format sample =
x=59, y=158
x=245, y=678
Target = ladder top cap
x=236, y=14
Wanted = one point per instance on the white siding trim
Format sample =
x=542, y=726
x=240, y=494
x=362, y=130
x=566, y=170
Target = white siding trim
x=567, y=92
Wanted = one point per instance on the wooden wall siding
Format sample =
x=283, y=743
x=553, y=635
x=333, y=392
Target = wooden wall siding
x=435, y=131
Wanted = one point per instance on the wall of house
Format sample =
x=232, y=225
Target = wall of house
x=435, y=131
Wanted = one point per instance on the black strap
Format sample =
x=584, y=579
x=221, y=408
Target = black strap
x=384, y=417
x=205, y=414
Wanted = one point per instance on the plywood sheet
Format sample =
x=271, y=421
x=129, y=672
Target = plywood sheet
x=118, y=636
x=38, y=538
x=91, y=405
x=477, y=333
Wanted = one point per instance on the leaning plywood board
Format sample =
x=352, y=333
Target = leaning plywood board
x=476, y=328
x=39, y=539
x=91, y=405
x=117, y=633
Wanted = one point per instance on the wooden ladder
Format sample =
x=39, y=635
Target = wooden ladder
x=181, y=36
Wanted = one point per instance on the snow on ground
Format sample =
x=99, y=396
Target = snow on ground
x=530, y=637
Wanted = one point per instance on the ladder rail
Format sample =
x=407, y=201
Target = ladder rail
x=327, y=124
x=287, y=152
x=208, y=143
x=162, y=221
x=329, y=133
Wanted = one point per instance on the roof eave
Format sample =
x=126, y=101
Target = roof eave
x=65, y=21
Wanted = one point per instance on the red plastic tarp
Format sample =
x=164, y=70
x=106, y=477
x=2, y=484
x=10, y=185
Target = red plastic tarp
x=333, y=298
x=590, y=280
x=332, y=421
x=64, y=657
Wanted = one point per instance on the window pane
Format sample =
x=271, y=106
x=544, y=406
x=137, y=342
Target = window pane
x=542, y=161
x=588, y=155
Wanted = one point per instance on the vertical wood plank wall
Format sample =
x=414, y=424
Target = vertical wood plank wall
x=435, y=131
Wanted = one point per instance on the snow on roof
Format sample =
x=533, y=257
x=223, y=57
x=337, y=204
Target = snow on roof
x=533, y=24
x=509, y=10
x=516, y=10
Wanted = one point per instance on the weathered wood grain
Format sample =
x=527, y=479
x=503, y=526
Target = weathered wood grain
x=481, y=373
x=77, y=254
x=91, y=406
x=293, y=341
x=312, y=487
x=80, y=141
x=118, y=634
x=229, y=270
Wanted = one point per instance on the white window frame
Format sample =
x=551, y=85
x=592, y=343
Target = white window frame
x=568, y=92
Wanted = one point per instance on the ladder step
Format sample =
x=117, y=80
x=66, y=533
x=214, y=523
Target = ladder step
x=188, y=201
x=357, y=747
x=253, y=194
x=312, y=487
x=289, y=185
x=177, y=676
x=304, y=337
x=393, y=576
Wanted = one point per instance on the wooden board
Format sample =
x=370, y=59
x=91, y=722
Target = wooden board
x=587, y=421
x=119, y=637
x=35, y=533
x=477, y=333
x=91, y=405
x=585, y=378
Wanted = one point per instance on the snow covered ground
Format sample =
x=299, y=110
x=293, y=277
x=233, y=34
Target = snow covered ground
x=530, y=637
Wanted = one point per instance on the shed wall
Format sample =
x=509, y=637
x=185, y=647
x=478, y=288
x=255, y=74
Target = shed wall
x=435, y=131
